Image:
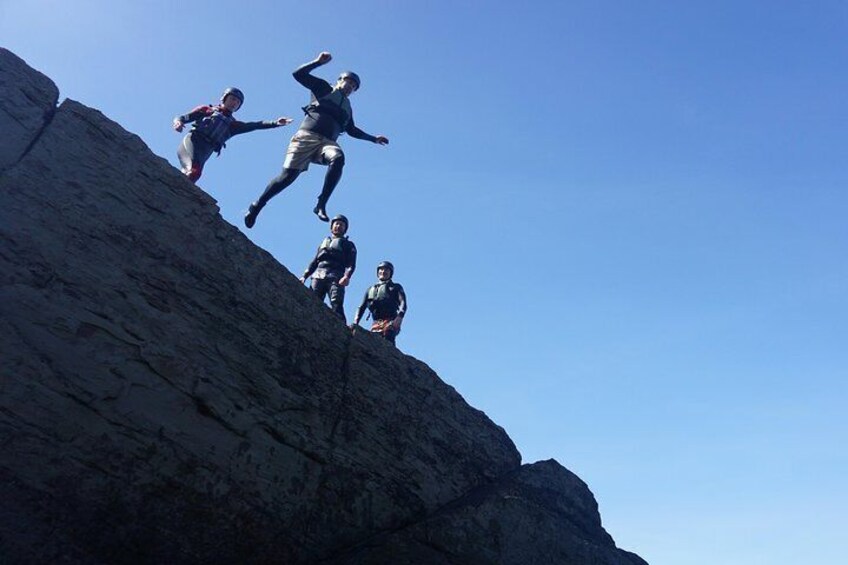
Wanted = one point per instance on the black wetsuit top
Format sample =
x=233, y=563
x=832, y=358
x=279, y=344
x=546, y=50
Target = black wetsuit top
x=336, y=257
x=325, y=116
x=386, y=304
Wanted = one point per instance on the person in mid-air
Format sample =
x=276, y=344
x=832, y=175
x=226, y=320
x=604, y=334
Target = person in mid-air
x=386, y=301
x=328, y=115
x=333, y=265
x=213, y=126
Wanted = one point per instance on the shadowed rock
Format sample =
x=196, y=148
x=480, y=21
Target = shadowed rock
x=172, y=394
x=28, y=101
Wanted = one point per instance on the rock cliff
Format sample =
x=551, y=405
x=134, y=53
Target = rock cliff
x=171, y=394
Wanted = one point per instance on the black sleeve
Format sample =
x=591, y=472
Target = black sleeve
x=237, y=128
x=196, y=114
x=354, y=131
x=313, y=265
x=361, y=310
x=350, y=263
x=318, y=86
x=401, y=301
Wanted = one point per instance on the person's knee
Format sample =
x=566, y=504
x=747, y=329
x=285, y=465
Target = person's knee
x=194, y=172
x=285, y=178
x=336, y=159
x=337, y=298
x=277, y=184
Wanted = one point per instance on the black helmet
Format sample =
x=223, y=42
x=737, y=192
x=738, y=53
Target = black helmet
x=387, y=265
x=352, y=76
x=340, y=218
x=235, y=92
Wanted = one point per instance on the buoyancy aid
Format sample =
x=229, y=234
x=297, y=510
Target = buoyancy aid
x=215, y=127
x=334, y=104
x=331, y=253
x=332, y=247
x=378, y=292
x=383, y=300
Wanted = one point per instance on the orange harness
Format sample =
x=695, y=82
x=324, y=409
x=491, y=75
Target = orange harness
x=383, y=326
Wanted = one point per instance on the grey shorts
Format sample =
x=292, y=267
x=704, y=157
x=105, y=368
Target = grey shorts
x=308, y=147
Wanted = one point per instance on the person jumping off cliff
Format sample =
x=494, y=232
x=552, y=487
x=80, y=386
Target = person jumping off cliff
x=328, y=115
x=213, y=126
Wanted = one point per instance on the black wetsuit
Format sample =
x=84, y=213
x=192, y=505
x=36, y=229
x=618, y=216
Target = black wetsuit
x=335, y=258
x=328, y=115
x=213, y=126
x=386, y=301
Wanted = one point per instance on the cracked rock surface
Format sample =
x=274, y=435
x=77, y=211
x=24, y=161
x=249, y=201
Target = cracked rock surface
x=29, y=99
x=171, y=394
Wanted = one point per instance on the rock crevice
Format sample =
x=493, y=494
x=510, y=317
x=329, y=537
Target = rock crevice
x=29, y=104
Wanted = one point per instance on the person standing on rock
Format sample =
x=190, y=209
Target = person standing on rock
x=386, y=301
x=333, y=265
x=328, y=115
x=213, y=126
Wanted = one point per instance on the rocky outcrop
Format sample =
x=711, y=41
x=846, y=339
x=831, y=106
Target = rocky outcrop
x=171, y=394
x=29, y=100
x=539, y=513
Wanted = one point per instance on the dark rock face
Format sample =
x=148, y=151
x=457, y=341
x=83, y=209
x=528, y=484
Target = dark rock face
x=29, y=100
x=539, y=513
x=171, y=394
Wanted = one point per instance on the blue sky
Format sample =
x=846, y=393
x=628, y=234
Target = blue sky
x=621, y=225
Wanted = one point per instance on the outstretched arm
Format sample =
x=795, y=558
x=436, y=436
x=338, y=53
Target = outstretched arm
x=244, y=127
x=194, y=115
x=354, y=131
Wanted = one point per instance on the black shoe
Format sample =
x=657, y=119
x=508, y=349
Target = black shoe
x=321, y=213
x=250, y=217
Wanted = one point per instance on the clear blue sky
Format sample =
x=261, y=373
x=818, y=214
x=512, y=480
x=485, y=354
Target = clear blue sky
x=621, y=225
